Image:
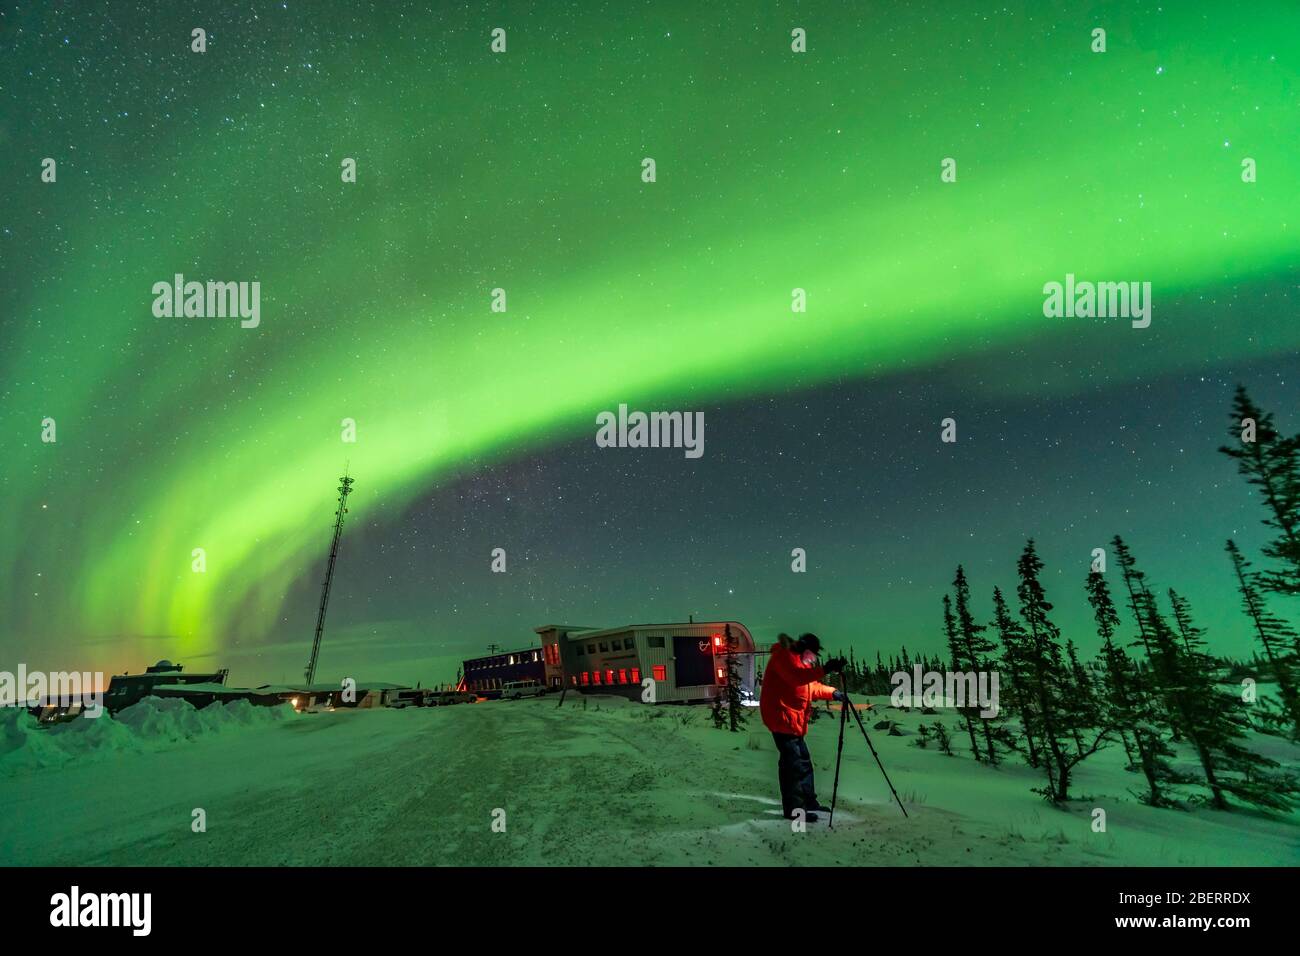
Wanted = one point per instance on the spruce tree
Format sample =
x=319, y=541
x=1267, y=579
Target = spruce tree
x=976, y=651
x=1013, y=638
x=1083, y=697
x=942, y=739
x=954, y=648
x=1276, y=637
x=1213, y=719
x=735, y=708
x=1272, y=464
x=1126, y=704
x=1049, y=684
x=1216, y=721
x=1141, y=603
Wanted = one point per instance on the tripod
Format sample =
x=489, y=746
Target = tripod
x=845, y=707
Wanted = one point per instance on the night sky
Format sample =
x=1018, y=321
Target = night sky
x=522, y=170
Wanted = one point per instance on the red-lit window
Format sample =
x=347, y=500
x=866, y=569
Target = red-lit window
x=660, y=672
x=574, y=679
x=622, y=675
x=722, y=676
x=586, y=677
x=595, y=677
x=636, y=675
x=717, y=640
x=609, y=677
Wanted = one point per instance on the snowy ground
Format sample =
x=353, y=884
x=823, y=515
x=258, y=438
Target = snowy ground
x=611, y=783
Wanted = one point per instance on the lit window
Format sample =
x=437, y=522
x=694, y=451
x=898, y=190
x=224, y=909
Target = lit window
x=622, y=675
x=574, y=679
x=636, y=675
x=660, y=672
x=609, y=677
x=595, y=678
x=722, y=676
x=586, y=677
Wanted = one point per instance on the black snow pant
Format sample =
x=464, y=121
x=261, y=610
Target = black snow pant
x=795, y=771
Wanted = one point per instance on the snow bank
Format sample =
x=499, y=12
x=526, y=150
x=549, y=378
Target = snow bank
x=151, y=724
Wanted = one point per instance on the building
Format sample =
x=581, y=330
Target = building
x=126, y=689
x=304, y=697
x=203, y=694
x=687, y=662
x=485, y=675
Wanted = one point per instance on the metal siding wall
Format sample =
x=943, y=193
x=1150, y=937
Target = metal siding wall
x=645, y=658
x=650, y=656
x=668, y=691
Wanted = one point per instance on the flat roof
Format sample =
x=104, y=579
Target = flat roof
x=586, y=635
x=168, y=675
x=519, y=650
x=208, y=688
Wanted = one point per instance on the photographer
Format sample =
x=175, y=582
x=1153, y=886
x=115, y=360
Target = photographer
x=791, y=682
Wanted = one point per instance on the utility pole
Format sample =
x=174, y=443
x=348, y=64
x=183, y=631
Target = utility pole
x=345, y=489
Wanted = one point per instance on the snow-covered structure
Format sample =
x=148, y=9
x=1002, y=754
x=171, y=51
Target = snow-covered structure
x=687, y=661
x=127, y=689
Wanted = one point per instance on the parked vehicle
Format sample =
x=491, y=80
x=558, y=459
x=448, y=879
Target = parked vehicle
x=445, y=698
x=516, y=689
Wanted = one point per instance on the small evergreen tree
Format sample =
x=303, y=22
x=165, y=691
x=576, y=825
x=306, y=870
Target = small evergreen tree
x=718, y=713
x=942, y=739
x=1124, y=705
x=1214, y=721
x=735, y=707
x=1272, y=464
x=1083, y=698
x=1048, y=680
x=1013, y=638
x=954, y=648
x=1276, y=637
x=1141, y=602
x=974, y=654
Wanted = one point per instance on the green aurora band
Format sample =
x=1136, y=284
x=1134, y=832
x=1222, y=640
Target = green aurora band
x=522, y=171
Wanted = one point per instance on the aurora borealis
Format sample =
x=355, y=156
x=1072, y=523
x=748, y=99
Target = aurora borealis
x=522, y=171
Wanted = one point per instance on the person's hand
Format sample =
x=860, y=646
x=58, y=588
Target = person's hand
x=834, y=665
x=838, y=696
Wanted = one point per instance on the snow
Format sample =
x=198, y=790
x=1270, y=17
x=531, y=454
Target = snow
x=149, y=724
x=605, y=781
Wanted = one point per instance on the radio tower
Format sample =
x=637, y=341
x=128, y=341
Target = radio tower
x=345, y=489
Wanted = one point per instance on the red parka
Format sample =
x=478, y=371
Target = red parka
x=789, y=688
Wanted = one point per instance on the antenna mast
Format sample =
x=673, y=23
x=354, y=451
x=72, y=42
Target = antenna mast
x=345, y=489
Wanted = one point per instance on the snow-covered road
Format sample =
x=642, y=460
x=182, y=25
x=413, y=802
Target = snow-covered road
x=608, y=783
